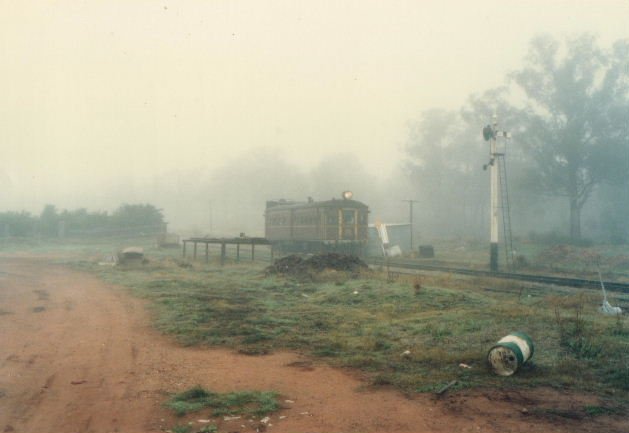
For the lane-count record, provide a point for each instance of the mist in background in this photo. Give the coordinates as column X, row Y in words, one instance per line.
column 208, row 109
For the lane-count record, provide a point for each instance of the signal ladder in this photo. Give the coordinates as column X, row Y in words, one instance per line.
column 505, row 210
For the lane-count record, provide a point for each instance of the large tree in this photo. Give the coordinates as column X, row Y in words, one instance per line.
column 575, row 117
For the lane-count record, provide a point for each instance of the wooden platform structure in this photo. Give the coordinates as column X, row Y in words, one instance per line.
column 223, row 242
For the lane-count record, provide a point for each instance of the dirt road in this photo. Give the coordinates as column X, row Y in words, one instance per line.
column 78, row 355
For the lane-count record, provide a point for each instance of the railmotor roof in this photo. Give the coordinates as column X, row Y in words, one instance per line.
column 334, row 203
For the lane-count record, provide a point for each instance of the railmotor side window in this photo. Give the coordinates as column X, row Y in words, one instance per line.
column 348, row 216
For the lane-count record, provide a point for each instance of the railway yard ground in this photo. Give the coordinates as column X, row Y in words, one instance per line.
column 167, row 344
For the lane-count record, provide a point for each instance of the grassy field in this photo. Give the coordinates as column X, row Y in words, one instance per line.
column 367, row 323
column 612, row 260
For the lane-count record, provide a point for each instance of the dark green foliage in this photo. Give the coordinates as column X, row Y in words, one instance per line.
column 600, row 410
column 573, row 123
column 128, row 218
column 18, row 224
column 258, row 403
column 145, row 216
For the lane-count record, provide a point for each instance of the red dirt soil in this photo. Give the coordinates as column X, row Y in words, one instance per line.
column 79, row 355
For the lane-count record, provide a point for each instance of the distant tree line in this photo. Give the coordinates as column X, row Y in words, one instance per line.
column 130, row 218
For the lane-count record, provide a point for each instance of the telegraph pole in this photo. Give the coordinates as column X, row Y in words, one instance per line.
column 211, row 219
column 410, row 206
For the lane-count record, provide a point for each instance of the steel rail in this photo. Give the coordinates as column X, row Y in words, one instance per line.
column 543, row 279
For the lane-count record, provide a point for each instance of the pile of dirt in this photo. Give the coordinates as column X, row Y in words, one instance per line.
column 306, row 265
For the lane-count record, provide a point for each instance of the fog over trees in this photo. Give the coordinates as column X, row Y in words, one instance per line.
column 567, row 108
column 568, row 111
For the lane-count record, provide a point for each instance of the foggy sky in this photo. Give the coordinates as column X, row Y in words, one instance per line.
column 99, row 96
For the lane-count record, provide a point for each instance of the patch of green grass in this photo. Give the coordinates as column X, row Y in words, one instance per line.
column 600, row 410
column 258, row 403
column 368, row 323
column 181, row 429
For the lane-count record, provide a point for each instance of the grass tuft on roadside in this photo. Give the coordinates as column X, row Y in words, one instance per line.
column 258, row 403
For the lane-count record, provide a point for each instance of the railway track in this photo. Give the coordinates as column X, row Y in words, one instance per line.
column 543, row 279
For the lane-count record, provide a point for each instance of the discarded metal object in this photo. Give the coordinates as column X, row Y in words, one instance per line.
column 510, row 353
column 426, row 251
column 131, row 255
column 606, row 307
column 447, row 386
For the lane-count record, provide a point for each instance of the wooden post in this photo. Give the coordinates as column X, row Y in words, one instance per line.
column 184, row 249
column 207, row 252
column 238, row 252
column 194, row 253
column 223, row 251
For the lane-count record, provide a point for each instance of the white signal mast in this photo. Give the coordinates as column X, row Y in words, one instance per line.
column 490, row 133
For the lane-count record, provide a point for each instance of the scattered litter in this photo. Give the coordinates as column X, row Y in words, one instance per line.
column 394, row 251
column 462, row 365
column 282, row 416
column 524, row 411
column 446, row 387
column 109, row 260
column 265, row 420
column 304, row 295
column 607, row 308
column 230, row 418
column 304, row 413
column 289, row 401
column 78, row 382
column 406, row 353
column 202, row 421
column 355, row 292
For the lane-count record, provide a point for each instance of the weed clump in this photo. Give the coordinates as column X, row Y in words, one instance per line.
column 258, row 403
